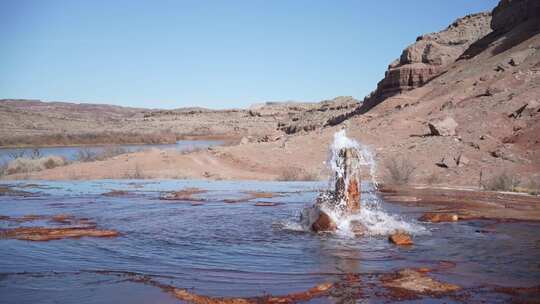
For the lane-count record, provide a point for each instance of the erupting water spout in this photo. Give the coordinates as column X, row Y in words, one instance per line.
column 340, row 208
column 345, row 198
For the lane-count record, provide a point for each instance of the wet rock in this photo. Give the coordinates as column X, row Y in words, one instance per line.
column 323, row 223
column 444, row 127
column 439, row 217
column 418, row 282
column 400, row 238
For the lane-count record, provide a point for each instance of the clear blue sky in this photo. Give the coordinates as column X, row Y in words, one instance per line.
column 218, row 54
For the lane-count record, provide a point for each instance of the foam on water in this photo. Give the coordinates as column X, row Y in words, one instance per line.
column 372, row 215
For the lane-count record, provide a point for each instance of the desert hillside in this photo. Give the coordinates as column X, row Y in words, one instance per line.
column 460, row 107
column 33, row 122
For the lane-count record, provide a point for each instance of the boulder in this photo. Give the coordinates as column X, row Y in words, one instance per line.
column 444, row 127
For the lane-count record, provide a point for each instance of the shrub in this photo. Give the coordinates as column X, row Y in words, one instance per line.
column 503, row 182
column 296, row 174
column 400, row 171
column 25, row 165
column 88, row 155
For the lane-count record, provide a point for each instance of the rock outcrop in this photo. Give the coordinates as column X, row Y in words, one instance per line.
column 510, row 13
column 323, row 114
column 428, row 57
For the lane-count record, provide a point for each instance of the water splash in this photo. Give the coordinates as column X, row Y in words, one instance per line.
column 372, row 216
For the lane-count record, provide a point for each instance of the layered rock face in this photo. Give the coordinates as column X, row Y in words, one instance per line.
column 428, row 57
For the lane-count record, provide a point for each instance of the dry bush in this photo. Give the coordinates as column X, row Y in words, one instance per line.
column 503, row 182
column 400, row 171
column 25, row 165
column 533, row 186
column 297, row 174
column 88, row 155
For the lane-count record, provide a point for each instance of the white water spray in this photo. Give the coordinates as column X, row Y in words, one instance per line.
column 371, row 216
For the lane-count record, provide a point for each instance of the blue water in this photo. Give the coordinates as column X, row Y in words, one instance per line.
column 224, row 249
column 71, row 152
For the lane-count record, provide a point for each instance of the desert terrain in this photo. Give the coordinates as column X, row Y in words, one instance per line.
column 459, row 107
column 426, row 190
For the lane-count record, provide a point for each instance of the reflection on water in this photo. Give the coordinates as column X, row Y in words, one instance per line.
column 237, row 249
column 70, row 153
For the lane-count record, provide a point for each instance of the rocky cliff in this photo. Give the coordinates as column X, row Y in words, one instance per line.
column 428, row 57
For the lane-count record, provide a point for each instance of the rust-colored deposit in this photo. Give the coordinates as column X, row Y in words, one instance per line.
column 465, row 204
column 71, row 227
column 182, row 294
column 439, row 217
column 417, row 282
column 49, row 234
column 184, row 195
column 317, row 291
column 400, row 238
